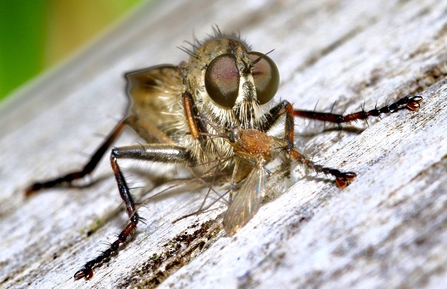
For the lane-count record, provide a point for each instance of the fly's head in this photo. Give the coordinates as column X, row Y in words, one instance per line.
column 230, row 83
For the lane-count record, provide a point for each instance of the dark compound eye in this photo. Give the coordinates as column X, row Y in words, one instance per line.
column 222, row 80
column 266, row 76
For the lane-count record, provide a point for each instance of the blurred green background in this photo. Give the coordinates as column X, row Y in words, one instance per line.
column 37, row 34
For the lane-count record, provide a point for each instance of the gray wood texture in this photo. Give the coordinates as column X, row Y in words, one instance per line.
column 388, row 229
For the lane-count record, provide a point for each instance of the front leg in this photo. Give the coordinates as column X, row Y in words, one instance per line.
column 149, row 152
column 408, row 102
column 342, row 179
column 412, row 103
column 275, row 113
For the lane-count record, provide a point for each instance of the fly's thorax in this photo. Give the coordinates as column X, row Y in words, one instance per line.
column 209, row 151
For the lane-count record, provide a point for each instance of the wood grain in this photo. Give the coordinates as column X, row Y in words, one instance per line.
column 387, row 229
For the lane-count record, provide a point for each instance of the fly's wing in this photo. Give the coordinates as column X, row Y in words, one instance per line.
column 155, row 95
column 247, row 201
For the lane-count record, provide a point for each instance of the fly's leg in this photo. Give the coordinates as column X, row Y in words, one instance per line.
column 149, row 152
column 166, row 153
column 196, row 125
column 412, row 103
column 408, row 102
column 87, row 169
column 342, row 179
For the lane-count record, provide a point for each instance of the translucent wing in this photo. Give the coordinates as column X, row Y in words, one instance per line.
column 155, row 95
column 247, row 200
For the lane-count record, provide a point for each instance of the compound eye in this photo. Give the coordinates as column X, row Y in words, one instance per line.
column 222, row 80
column 265, row 75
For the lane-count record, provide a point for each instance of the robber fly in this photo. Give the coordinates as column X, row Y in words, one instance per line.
column 230, row 86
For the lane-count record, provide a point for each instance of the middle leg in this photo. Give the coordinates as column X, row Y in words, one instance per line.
column 149, row 152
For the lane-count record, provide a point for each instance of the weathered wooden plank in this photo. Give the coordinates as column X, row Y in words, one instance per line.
column 387, row 229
